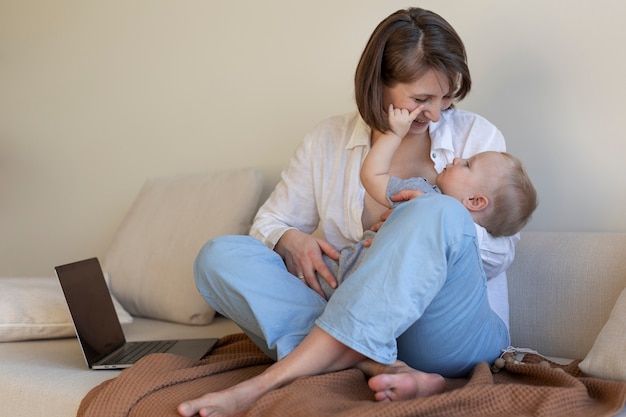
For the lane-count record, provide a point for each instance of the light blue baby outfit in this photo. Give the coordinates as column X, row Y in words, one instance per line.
column 419, row 294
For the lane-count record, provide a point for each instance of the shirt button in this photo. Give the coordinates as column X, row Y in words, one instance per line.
column 434, row 155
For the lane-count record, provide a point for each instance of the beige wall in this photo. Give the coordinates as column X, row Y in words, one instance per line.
column 98, row 96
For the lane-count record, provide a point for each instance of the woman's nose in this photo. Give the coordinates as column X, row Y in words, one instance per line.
column 433, row 111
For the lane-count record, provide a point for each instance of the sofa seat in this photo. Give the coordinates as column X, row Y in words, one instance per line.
column 50, row 377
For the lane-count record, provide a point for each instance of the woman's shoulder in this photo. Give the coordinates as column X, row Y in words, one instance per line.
column 343, row 128
column 341, row 122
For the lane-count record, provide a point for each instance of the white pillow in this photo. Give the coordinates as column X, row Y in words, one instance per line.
column 35, row 308
column 607, row 357
column 152, row 254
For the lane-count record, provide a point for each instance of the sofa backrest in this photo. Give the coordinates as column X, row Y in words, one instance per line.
column 562, row 288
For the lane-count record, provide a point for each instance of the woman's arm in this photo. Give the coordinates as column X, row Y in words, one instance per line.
column 289, row 216
column 291, row 205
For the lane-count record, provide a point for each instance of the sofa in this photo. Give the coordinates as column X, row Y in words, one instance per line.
column 566, row 293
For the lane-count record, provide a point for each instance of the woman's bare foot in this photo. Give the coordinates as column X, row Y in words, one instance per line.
column 305, row 360
column 225, row 403
column 400, row 382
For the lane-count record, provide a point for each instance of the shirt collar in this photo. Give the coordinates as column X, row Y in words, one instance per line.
column 361, row 133
column 440, row 133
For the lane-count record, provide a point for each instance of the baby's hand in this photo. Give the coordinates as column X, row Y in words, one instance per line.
column 400, row 119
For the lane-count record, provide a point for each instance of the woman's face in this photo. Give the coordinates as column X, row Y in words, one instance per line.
column 431, row 91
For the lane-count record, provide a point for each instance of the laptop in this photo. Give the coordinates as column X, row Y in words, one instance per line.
column 99, row 330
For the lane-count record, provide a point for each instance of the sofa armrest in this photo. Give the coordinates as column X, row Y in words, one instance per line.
column 562, row 287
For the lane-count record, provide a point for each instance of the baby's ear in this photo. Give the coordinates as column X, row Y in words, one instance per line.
column 477, row 202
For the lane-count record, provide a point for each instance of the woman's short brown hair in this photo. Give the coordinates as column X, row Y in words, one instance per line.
column 402, row 48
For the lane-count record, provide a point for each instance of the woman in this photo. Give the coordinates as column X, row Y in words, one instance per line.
column 416, row 309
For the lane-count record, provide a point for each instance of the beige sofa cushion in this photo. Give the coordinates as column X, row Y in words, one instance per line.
column 562, row 287
column 151, row 257
column 35, row 308
column 607, row 357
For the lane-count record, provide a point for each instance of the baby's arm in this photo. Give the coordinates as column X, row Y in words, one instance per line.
column 375, row 168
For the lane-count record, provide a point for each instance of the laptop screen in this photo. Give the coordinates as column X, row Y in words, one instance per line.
column 91, row 307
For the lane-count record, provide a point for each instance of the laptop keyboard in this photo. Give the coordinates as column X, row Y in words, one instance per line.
column 133, row 351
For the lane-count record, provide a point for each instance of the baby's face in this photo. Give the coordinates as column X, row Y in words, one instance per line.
column 477, row 175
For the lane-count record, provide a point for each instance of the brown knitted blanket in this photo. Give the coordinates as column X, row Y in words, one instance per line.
column 158, row 383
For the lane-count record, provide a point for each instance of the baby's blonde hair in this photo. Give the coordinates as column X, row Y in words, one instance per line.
column 513, row 202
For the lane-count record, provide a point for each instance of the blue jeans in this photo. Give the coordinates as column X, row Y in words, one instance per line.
column 418, row 295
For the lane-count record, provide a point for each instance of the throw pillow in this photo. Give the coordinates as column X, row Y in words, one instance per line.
column 607, row 357
column 152, row 254
column 35, row 308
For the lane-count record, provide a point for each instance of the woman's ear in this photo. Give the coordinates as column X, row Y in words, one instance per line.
column 477, row 202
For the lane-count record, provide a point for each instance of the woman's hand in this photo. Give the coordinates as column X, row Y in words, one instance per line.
column 406, row 195
column 303, row 257
column 403, row 195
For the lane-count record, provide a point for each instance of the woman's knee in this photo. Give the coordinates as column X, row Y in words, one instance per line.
column 210, row 254
column 221, row 254
column 434, row 210
column 438, row 203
